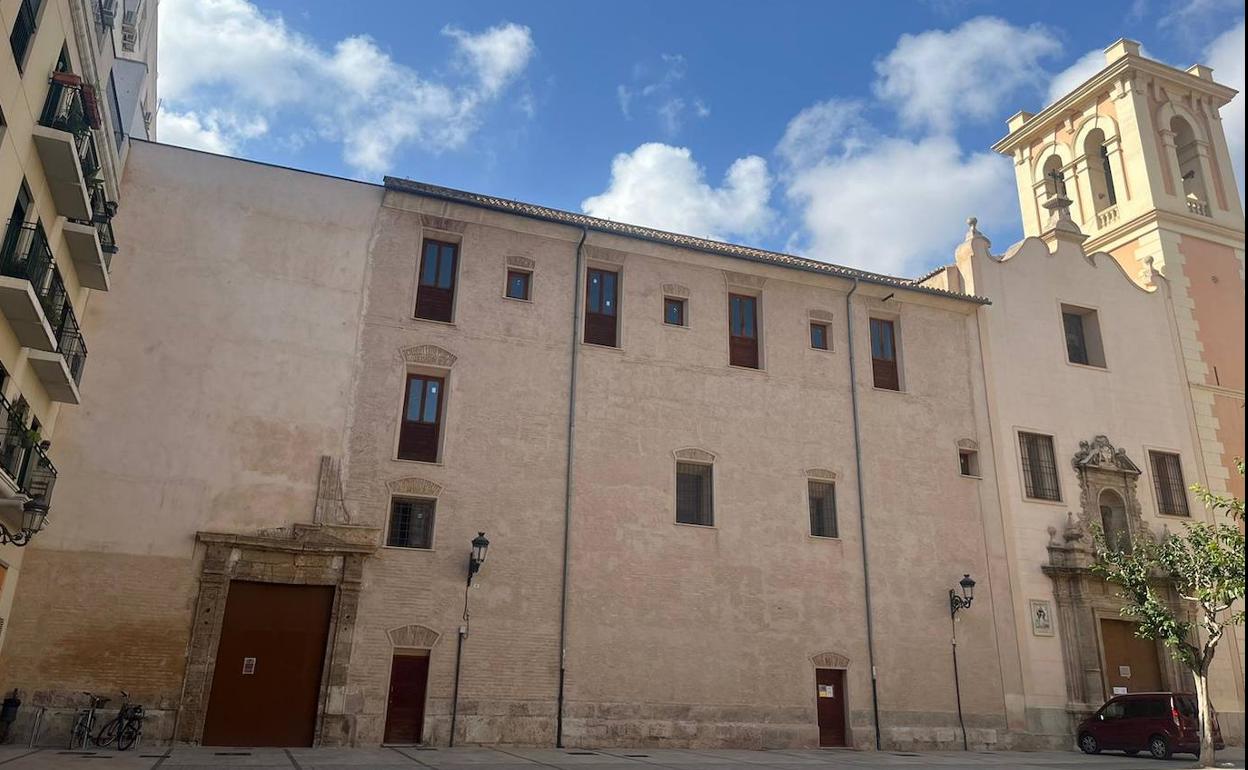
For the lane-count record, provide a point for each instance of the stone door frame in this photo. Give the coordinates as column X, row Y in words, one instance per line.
column 325, row 555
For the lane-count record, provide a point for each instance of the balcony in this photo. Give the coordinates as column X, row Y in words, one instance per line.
column 1197, row 206
column 66, row 144
column 1107, row 217
column 61, row 371
column 25, row 274
column 91, row 244
column 24, row 462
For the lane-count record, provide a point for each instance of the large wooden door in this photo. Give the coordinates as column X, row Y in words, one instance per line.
column 267, row 680
column 405, row 707
column 830, row 700
column 1130, row 662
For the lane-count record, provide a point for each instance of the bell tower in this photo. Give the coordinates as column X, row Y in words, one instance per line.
column 1140, row 152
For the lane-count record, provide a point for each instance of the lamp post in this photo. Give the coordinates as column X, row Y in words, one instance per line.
column 34, row 516
column 957, row 603
column 476, row 557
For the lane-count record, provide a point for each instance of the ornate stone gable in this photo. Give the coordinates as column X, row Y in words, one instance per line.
column 1100, row 453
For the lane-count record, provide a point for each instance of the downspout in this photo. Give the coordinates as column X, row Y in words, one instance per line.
column 567, row 485
column 862, row 513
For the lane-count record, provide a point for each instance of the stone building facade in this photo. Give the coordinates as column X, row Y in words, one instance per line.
column 727, row 492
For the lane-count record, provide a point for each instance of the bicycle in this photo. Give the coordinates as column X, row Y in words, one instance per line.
column 125, row 728
column 80, row 735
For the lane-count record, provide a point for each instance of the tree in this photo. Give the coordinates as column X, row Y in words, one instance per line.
column 1204, row 564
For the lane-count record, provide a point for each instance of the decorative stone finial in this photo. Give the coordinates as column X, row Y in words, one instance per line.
column 1072, row 532
column 1052, row 535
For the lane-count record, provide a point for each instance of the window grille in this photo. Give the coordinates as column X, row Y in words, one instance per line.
column 1168, row 484
column 694, row 495
column 1039, row 466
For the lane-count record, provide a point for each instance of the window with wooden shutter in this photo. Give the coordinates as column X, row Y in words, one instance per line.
column 1168, row 484
column 1039, row 466
column 422, row 418
column 435, row 294
column 743, row 330
column 884, row 354
column 818, row 335
column 822, row 496
column 602, row 307
column 411, row 522
column 694, row 496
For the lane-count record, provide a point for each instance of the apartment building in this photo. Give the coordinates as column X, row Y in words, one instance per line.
column 450, row 468
column 78, row 81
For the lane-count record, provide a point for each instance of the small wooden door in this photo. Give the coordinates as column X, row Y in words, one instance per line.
column 1130, row 662
column 267, row 681
column 830, row 700
column 405, row 708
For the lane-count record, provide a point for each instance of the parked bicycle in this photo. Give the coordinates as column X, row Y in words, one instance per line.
column 125, row 728
column 80, row 736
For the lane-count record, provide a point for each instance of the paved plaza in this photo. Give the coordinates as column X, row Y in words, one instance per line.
column 14, row 758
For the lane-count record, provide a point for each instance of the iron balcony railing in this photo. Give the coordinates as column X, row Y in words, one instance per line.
column 25, row 254
column 102, row 213
column 21, row 453
column 71, row 107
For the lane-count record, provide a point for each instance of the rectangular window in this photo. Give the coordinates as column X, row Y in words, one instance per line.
column 435, row 296
column 23, row 30
column 518, row 284
column 1168, row 484
column 743, row 330
column 819, row 336
column 411, row 523
column 1083, row 336
column 673, row 311
column 968, row 462
column 694, row 503
column 884, row 354
column 1039, row 466
column 602, row 307
column 422, row 419
column 822, row 495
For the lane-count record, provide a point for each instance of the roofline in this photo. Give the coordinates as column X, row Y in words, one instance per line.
column 254, row 162
column 664, row 237
column 1041, row 119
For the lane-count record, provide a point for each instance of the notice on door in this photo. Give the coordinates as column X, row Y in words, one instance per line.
column 249, row 666
column 1124, row 672
column 827, row 691
column 1120, row 691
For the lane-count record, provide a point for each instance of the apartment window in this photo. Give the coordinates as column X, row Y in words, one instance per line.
column 422, row 418
column 435, row 296
column 411, row 523
column 1168, row 484
column 673, row 311
column 822, row 496
column 23, row 30
column 519, row 284
column 743, row 330
column 694, row 499
column 884, row 354
column 1083, row 336
column 818, row 336
column 602, row 307
column 968, row 462
column 1039, row 466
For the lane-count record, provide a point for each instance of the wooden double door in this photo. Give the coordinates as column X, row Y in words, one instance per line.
column 267, row 680
column 830, row 705
column 1131, row 663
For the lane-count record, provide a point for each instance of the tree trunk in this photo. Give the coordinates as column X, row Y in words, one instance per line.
column 1201, row 676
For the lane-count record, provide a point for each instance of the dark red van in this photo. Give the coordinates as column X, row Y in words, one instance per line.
column 1160, row 723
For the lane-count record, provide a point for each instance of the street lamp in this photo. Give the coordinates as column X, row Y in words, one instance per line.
column 960, row 603
column 964, row 601
column 34, row 516
column 476, row 557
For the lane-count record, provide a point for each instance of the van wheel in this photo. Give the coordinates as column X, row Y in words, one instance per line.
column 1088, row 744
column 1159, row 747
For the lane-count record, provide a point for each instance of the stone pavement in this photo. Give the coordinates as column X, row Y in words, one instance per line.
column 198, row 758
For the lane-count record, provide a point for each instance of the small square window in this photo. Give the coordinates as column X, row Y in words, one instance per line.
column 411, row 523
column 1083, row 336
column 819, row 336
column 968, row 462
column 518, row 284
column 673, row 311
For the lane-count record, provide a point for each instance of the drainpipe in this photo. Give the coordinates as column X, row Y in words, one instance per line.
column 862, row 513
column 567, row 485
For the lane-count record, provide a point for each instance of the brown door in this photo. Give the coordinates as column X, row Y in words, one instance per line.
column 1130, row 662
column 267, row 680
column 830, row 697
column 405, row 709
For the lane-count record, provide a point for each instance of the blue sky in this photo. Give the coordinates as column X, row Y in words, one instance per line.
column 853, row 133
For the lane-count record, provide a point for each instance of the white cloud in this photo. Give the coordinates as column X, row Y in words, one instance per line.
column 213, row 131
column 1073, row 76
column 1226, row 56
column 229, row 52
column 937, row 79
column 661, row 186
column 657, row 89
column 833, row 126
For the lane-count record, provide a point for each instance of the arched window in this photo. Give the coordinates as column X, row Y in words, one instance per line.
column 1114, row 521
column 1054, row 181
column 1100, row 174
column 1189, row 160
